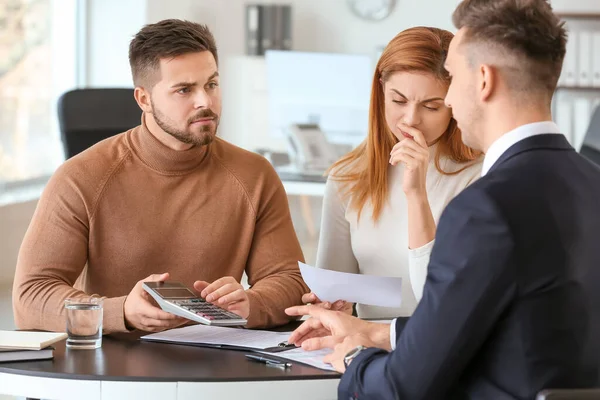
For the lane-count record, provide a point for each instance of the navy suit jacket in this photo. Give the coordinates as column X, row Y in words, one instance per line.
column 511, row 304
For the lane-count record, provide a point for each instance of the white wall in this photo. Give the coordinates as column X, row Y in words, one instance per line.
column 110, row 26
column 576, row 6
column 317, row 25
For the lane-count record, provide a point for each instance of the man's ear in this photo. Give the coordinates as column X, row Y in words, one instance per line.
column 143, row 99
column 486, row 81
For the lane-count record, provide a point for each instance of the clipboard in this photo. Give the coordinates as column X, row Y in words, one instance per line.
column 282, row 346
column 224, row 338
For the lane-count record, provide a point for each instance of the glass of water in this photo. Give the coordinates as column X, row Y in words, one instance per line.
column 84, row 322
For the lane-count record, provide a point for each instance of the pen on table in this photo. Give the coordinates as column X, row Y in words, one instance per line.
column 268, row 361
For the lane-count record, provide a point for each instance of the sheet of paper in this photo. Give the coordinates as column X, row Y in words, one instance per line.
column 218, row 335
column 312, row 358
column 383, row 291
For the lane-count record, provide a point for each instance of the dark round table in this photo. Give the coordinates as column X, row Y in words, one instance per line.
column 127, row 368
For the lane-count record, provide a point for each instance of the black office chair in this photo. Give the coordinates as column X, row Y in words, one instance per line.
column 590, row 148
column 569, row 394
column 87, row 116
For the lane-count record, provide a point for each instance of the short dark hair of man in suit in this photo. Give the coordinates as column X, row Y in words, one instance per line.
column 522, row 43
column 526, row 34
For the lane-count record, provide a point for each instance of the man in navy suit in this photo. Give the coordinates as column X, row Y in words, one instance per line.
column 512, row 302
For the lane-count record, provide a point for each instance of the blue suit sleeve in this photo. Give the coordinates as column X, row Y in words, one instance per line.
column 471, row 281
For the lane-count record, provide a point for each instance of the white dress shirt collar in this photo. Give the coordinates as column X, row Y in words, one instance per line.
column 505, row 141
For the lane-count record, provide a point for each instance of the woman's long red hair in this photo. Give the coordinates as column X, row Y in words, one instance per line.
column 365, row 169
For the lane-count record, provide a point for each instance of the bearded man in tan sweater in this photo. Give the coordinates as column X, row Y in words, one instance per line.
column 164, row 200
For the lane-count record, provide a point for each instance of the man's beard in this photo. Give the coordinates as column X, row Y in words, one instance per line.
column 206, row 134
column 472, row 124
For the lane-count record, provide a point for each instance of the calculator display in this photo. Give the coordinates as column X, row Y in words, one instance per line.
column 175, row 293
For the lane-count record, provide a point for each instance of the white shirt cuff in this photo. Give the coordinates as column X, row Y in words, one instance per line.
column 393, row 334
column 424, row 250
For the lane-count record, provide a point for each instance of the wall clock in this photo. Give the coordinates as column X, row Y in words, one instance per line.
column 372, row 10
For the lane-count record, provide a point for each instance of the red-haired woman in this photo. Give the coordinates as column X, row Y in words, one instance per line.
column 383, row 199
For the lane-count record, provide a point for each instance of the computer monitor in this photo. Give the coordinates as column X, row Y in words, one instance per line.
column 330, row 90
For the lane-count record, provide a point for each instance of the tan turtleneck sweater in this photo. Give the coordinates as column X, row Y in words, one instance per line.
column 130, row 207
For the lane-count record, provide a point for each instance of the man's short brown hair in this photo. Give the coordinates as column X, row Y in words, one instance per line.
column 525, row 33
column 166, row 39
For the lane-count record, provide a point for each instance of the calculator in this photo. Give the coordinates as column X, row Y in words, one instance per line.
column 175, row 298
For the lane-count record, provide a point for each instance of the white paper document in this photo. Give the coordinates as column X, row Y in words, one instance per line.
column 383, row 291
column 220, row 336
column 241, row 338
column 312, row 358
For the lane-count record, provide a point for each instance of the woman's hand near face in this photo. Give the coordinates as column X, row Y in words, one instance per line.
column 414, row 154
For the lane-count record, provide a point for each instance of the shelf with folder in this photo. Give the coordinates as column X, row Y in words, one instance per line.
column 268, row 27
column 578, row 90
column 579, row 15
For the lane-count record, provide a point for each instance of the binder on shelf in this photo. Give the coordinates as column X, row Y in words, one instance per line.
column 595, row 105
column 570, row 63
column 581, row 116
column 268, row 27
column 564, row 118
column 254, row 16
column 281, row 27
column 277, row 30
column 584, row 65
column 596, row 59
column 286, row 17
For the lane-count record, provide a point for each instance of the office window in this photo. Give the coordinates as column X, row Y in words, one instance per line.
column 38, row 62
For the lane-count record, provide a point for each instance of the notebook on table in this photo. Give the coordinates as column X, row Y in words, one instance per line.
column 8, row 355
column 25, row 340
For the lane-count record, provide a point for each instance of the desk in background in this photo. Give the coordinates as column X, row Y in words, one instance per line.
column 304, row 186
column 297, row 184
column 127, row 368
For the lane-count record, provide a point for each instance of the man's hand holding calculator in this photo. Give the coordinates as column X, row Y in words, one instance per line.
column 227, row 303
column 227, row 293
column 142, row 313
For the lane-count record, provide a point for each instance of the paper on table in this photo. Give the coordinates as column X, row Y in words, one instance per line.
column 312, row 358
column 383, row 291
column 220, row 336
